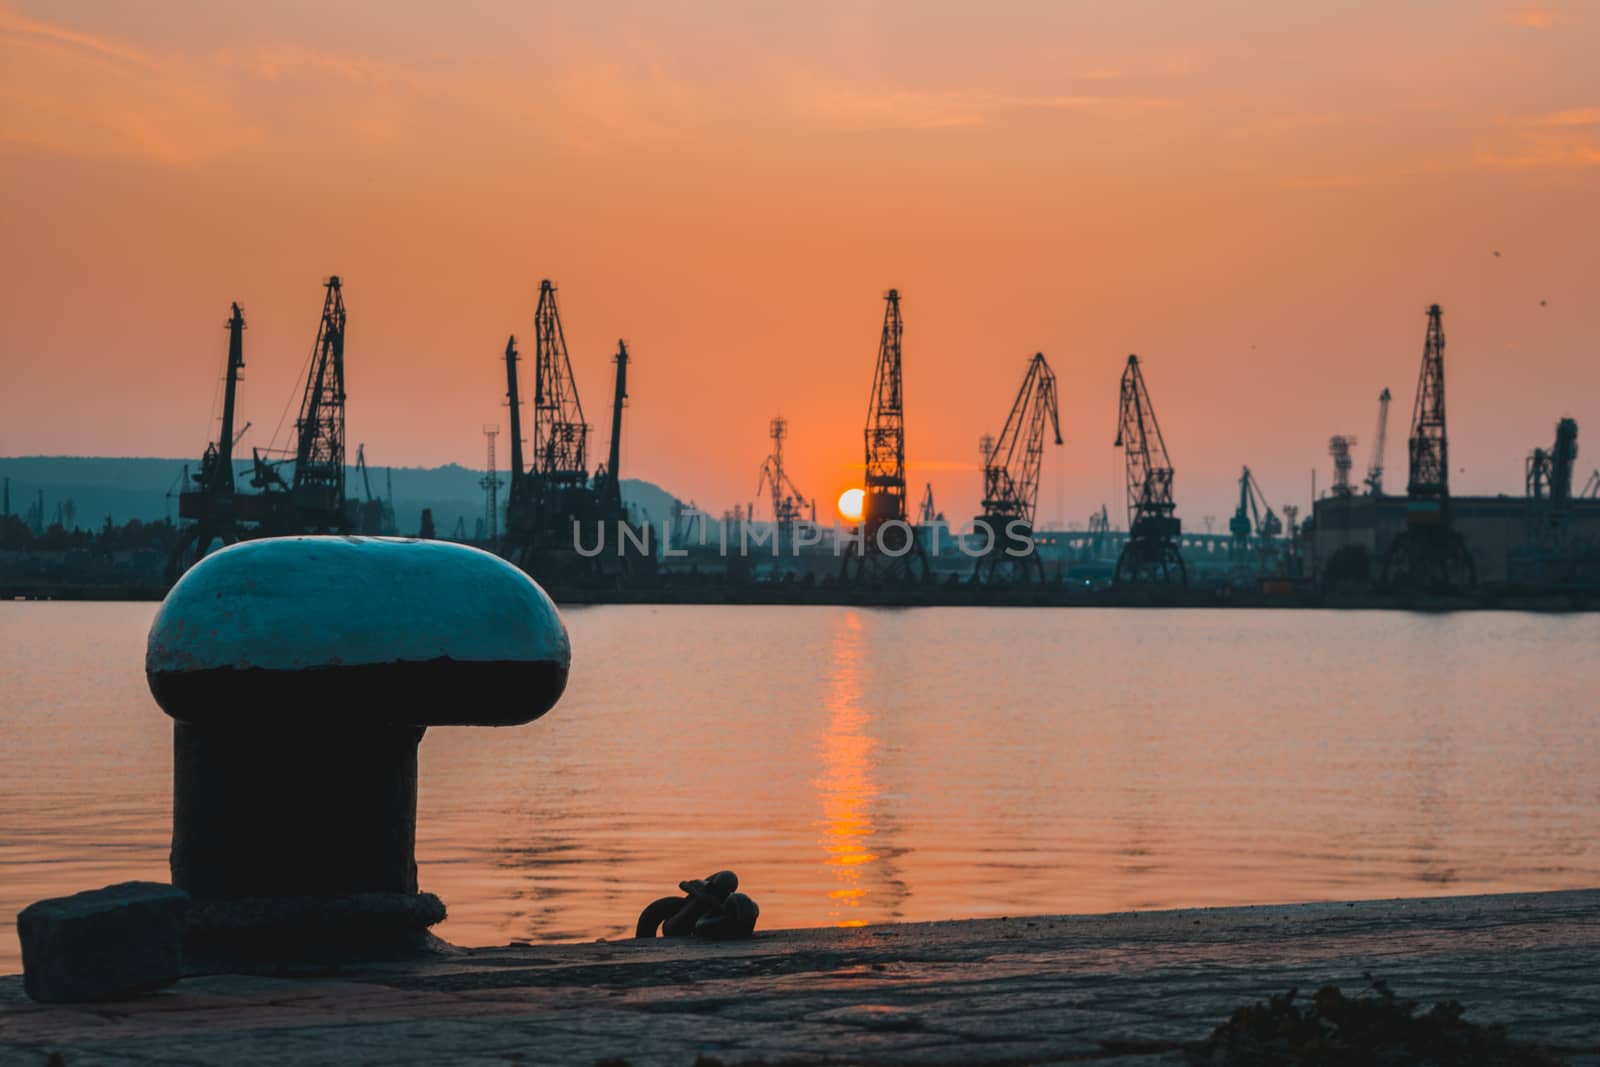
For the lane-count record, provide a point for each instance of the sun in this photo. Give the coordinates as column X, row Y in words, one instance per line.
column 850, row 504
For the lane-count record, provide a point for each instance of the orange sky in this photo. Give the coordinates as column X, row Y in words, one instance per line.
column 1259, row 198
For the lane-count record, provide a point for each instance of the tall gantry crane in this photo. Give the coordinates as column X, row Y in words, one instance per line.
column 314, row 502
column 896, row 554
column 1011, row 477
column 553, row 492
column 319, row 454
column 554, row 501
column 1375, row 468
column 1150, row 555
column 1430, row 443
column 1429, row 553
column 787, row 500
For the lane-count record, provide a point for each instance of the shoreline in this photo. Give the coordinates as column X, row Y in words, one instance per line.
column 1125, row 988
column 944, row 595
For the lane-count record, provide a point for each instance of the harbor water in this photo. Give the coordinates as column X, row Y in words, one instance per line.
column 869, row 765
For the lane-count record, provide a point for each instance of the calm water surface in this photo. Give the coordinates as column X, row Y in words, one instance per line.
column 860, row 765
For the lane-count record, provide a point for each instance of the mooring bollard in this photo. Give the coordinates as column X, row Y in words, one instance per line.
column 301, row 673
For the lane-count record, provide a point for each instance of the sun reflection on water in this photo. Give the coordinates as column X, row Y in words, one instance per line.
column 847, row 786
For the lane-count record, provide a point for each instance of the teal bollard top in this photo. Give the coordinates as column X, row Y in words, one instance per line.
column 356, row 630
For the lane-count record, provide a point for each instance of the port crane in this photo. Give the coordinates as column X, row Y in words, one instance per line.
column 210, row 502
column 787, row 499
column 1375, row 468
column 1099, row 534
column 1429, row 553
column 318, row 487
column 1150, row 556
column 554, row 497
column 1549, row 471
column 1011, row 476
column 560, row 434
column 314, row 502
column 1253, row 517
column 554, row 489
column 897, row 555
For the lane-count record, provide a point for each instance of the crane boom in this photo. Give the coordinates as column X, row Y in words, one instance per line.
column 1375, row 468
column 1011, row 469
column 1011, row 466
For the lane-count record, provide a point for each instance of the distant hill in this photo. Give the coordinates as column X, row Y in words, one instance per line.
column 147, row 489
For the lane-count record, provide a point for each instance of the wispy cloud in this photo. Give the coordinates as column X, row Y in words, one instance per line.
column 1529, row 18
column 81, row 94
column 891, row 107
column 1577, row 116
column 1566, row 151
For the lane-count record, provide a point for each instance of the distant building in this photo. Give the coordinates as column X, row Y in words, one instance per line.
column 1511, row 539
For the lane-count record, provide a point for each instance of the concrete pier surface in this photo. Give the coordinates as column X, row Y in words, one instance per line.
column 1126, row 989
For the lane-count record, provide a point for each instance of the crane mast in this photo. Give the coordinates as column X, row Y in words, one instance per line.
column 1430, row 460
column 516, row 488
column 1375, row 469
column 1151, row 554
column 885, row 497
column 560, row 435
column 218, row 479
column 1429, row 553
column 608, row 484
column 319, row 456
column 884, row 490
column 212, row 502
column 1011, row 470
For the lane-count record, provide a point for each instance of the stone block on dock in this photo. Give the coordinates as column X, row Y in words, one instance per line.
column 103, row 944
